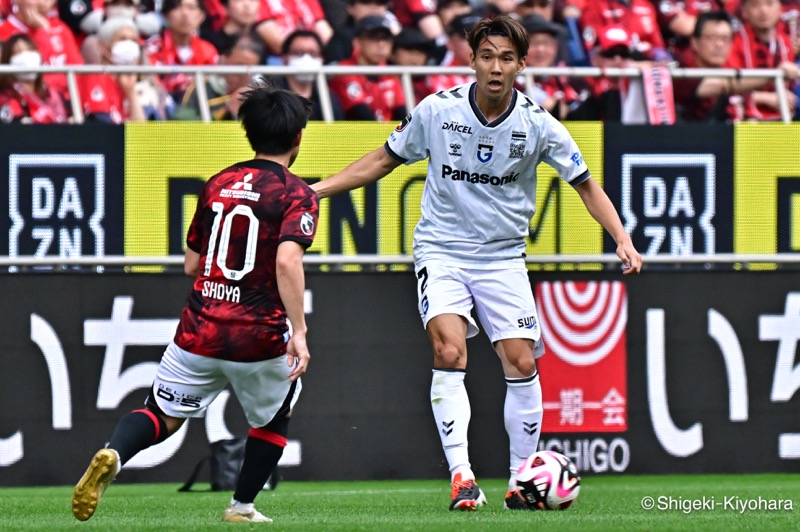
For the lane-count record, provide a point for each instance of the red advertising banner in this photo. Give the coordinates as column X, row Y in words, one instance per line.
column 584, row 378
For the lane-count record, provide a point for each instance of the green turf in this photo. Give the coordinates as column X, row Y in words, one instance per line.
column 605, row 503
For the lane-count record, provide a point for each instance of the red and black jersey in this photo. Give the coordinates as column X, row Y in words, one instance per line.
column 234, row 311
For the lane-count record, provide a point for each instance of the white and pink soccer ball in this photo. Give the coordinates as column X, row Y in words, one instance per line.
column 548, row 480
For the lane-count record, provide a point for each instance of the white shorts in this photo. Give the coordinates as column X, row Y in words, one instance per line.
column 503, row 300
column 186, row 384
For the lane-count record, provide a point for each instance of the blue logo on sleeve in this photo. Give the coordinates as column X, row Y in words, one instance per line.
column 577, row 158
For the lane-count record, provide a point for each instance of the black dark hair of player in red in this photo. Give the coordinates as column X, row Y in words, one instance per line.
column 272, row 118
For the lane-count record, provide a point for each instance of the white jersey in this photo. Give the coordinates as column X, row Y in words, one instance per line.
column 480, row 191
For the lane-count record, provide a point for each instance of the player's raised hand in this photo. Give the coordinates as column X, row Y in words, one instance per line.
column 298, row 355
column 631, row 260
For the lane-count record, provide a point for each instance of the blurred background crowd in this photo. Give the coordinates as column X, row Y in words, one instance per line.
column 708, row 34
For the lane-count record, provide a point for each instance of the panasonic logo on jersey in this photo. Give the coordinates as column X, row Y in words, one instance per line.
column 458, row 128
column 474, row 177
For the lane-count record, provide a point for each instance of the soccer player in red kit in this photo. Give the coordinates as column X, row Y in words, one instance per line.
column 245, row 247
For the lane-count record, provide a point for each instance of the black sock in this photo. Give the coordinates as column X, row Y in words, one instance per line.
column 260, row 459
column 135, row 432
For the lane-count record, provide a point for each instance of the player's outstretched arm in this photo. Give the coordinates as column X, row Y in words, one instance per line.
column 291, row 286
column 602, row 210
column 369, row 168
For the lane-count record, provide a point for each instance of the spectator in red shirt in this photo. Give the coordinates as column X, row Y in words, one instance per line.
column 340, row 46
column 54, row 40
column 553, row 93
column 638, row 17
column 25, row 97
column 179, row 44
column 112, row 98
column 370, row 97
column 420, row 14
column 677, row 19
column 458, row 54
column 240, row 18
column 283, row 17
column 708, row 99
column 303, row 48
column 759, row 44
column 412, row 48
column 614, row 49
column 224, row 92
column 450, row 9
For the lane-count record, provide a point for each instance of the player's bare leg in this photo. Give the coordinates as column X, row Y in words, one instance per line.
column 450, row 404
column 523, row 407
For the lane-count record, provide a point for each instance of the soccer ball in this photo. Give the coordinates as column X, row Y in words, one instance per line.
column 548, row 480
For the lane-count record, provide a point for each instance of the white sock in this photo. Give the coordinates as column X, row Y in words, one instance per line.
column 244, row 507
column 523, row 419
column 451, row 411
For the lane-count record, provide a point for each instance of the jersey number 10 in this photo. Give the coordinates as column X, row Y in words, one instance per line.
column 225, row 238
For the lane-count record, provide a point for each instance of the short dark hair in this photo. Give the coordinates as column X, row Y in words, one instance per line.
column 272, row 118
column 171, row 5
column 710, row 16
column 500, row 25
column 287, row 42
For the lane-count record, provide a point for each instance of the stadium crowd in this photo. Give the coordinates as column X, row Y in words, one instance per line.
column 654, row 35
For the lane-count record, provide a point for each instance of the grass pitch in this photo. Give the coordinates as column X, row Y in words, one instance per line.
column 707, row 502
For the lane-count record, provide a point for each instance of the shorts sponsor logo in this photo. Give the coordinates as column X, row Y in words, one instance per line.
column 174, row 396
column 584, row 329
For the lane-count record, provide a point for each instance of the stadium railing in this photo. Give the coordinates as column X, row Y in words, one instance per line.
column 406, row 74
column 607, row 261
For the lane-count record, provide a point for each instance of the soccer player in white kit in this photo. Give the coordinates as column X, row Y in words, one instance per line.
column 484, row 141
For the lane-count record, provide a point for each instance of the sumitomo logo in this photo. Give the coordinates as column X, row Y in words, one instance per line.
column 669, row 202
column 56, row 204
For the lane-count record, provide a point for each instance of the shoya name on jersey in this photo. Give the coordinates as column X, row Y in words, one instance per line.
column 479, row 179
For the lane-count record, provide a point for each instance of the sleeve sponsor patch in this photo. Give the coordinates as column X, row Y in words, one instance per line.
column 402, row 125
column 307, row 224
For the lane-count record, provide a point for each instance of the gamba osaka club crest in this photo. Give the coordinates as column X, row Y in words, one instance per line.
column 485, row 148
column 584, row 330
